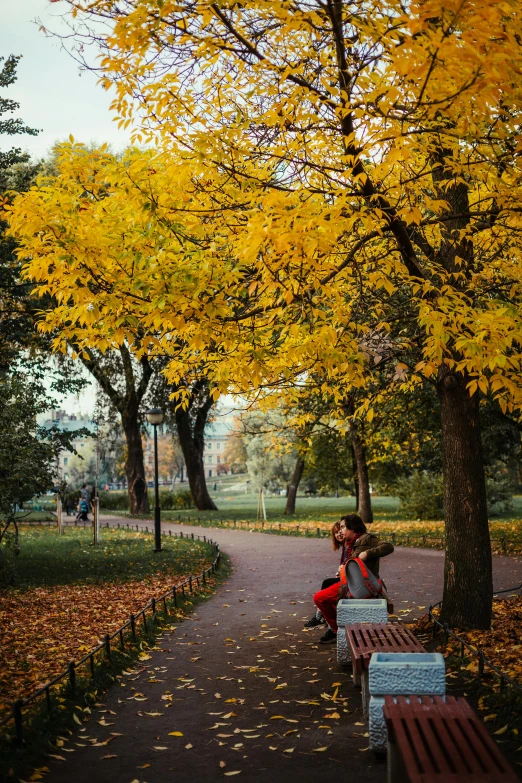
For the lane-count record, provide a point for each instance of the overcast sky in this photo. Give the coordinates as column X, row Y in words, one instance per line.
column 53, row 95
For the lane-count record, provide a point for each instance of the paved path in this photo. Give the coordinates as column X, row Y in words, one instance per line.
column 248, row 687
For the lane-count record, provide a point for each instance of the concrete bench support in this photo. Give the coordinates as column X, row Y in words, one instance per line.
column 400, row 674
column 354, row 610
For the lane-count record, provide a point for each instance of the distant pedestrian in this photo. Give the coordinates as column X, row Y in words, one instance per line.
column 83, row 505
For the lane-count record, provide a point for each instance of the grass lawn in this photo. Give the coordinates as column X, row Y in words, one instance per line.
column 68, row 594
column 318, row 513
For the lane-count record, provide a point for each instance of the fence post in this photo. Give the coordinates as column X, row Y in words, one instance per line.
column 204, row 578
column 107, row 641
column 393, row 538
column 503, row 544
column 480, row 670
column 190, row 583
column 174, row 597
column 153, row 604
column 318, row 532
column 434, row 624
column 18, row 721
column 72, row 675
column 445, row 637
column 193, row 534
column 133, row 626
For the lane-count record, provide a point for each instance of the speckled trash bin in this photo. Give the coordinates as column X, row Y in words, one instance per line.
column 352, row 610
column 400, row 674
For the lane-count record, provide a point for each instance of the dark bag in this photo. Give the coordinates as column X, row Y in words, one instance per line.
column 358, row 582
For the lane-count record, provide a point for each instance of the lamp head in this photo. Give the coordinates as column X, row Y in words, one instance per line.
column 154, row 416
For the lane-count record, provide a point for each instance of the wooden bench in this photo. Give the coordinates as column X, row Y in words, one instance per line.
column 432, row 739
column 364, row 639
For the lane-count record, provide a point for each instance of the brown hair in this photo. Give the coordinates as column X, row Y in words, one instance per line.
column 335, row 529
column 354, row 522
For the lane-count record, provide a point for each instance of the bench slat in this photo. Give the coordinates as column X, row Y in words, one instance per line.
column 365, row 639
column 444, row 740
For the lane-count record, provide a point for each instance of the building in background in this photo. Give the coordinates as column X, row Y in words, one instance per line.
column 68, row 463
column 171, row 464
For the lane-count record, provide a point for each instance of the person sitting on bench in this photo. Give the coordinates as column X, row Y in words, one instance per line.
column 357, row 543
column 337, row 543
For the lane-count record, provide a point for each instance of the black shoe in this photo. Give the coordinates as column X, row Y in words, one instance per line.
column 329, row 637
column 313, row 622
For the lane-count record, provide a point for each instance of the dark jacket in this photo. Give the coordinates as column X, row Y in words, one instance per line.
column 375, row 548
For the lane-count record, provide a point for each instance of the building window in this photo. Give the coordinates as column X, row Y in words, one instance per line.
column 210, row 445
column 210, row 474
column 218, row 446
column 65, row 460
column 218, row 460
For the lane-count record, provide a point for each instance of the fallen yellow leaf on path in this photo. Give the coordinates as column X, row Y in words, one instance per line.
column 175, row 733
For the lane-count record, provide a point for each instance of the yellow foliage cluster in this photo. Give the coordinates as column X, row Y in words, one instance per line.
column 332, row 189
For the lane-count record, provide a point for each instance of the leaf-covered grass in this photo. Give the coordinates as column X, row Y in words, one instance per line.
column 500, row 709
column 506, row 535
column 69, row 594
column 48, row 558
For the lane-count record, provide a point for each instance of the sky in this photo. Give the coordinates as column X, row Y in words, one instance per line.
column 53, row 95
column 55, row 98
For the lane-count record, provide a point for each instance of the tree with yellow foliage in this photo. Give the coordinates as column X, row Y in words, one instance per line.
column 334, row 181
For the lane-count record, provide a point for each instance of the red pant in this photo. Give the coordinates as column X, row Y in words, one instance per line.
column 326, row 601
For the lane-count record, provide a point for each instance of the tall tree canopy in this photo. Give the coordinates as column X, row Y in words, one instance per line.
column 336, row 189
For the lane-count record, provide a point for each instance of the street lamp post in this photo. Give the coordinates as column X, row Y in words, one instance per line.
column 155, row 417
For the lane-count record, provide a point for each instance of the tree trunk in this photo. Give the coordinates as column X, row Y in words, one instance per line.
column 468, row 585
column 364, row 500
column 291, row 493
column 192, row 444
column 134, row 465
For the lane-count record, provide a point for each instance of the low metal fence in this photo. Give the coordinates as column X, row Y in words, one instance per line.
column 69, row 675
column 483, row 663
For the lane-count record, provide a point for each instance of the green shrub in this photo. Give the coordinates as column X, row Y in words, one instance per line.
column 114, row 501
column 421, row 496
column 499, row 492
column 171, row 501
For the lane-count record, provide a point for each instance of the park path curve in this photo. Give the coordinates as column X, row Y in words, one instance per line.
column 244, row 683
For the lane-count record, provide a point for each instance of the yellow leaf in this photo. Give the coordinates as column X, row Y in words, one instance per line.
column 175, row 733
column 502, row 730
